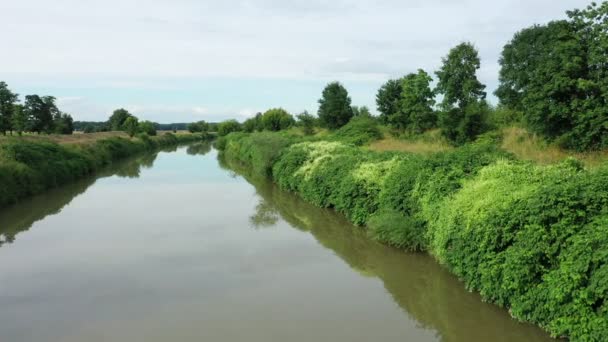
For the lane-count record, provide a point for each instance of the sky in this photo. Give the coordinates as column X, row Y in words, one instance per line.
column 189, row 60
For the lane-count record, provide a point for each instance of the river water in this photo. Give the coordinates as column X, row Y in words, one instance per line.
column 176, row 246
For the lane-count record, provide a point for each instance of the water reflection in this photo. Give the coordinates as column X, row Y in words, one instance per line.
column 199, row 149
column 425, row 291
column 20, row 217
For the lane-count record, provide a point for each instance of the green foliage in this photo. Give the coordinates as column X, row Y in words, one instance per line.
column 457, row 77
column 415, row 104
column 20, row 122
column 460, row 126
column 117, row 119
column 529, row 238
column 556, row 74
column 394, row 229
column 63, row 124
column 359, row 131
column 276, row 119
column 28, row 167
column 253, row 124
column 335, row 106
column 147, row 127
column 198, row 127
column 463, row 106
column 361, row 111
column 131, row 126
column 388, row 99
column 8, row 99
column 226, row 127
column 307, row 122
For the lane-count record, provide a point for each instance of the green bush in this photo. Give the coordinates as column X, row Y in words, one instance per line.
column 359, row 131
column 529, row 238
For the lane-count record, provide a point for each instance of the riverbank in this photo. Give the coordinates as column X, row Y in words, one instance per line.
column 31, row 165
column 529, row 238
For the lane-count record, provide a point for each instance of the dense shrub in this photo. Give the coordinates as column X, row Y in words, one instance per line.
column 528, row 238
column 227, row 127
column 359, row 131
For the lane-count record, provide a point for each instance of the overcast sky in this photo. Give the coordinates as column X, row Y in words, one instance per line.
column 187, row 60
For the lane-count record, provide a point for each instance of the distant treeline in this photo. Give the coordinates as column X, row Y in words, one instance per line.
column 553, row 81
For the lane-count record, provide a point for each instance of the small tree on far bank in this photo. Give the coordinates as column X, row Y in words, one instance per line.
column 335, row 106
column 388, row 99
column 20, row 121
column 131, row 126
column 227, row 127
column 307, row 122
column 277, row 119
column 147, row 127
column 7, row 103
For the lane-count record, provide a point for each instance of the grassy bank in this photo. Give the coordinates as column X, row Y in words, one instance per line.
column 30, row 165
column 530, row 238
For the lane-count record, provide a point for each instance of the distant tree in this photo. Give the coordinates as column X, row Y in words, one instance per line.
column 307, row 122
column 198, row 127
column 117, row 119
column 227, row 127
column 277, row 119
column 361, row 111
column 388, row 99
column 131, row 125
column 20, row 122
column 335, row 106
column 7, row 102
column 63, row 123
column 40, row 111
column 253, row 124
column 147, row 127
column 89, row 129
column 462, row 92
column 417, row 101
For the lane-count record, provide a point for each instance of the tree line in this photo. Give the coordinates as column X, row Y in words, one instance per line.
column 38, row 114
column 553, row 80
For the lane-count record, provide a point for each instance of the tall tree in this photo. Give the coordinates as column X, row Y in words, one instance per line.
column 63, row 123
column 416, row 102
column 457, row 77
column 118, row 118
column 335, row 106
column 7, row 102
column 20, row 121
column 464, row 109
column 40, row 112
column 388, row 99
column 557, row 75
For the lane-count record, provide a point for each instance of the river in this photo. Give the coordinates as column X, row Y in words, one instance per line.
column 177, row 246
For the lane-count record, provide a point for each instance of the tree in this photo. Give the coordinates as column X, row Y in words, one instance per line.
column 63, row 124
column 416, row 104
column 463, row 94
column 40, row 111
column 277, row 119
column 131, row 125
column 118, row 118
column 20, row 122
column 361, row 111
column 307, row 122
column 557, row 76
column 334, row 106
column 253, row 124
column 147, row 127
column 7, row 102
column 388, row 99
column 227, row 127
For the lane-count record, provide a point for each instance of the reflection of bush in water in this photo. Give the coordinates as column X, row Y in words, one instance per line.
column 20, row 217
column 424, row 290
column 199, row 149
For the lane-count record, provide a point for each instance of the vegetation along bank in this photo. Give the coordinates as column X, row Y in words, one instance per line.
column 30, row 165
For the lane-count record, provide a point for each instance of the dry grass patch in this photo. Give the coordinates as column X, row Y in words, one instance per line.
column 429, row 142
column 527, row 146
